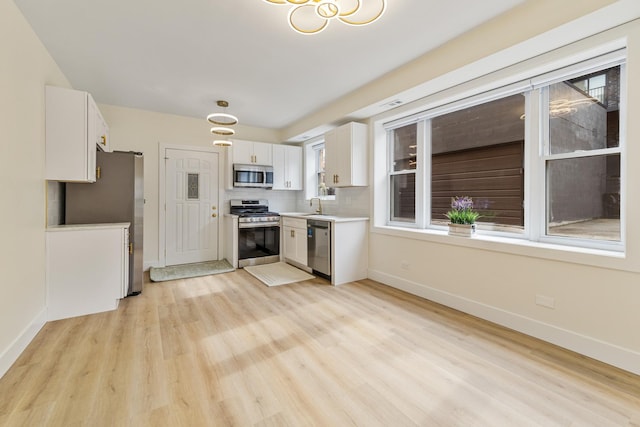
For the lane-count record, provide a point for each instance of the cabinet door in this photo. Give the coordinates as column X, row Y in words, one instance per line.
column 289, row 243
column 70, row 129
column 346, row 155
column 332, row 157
column 293, row 168
column 242, row 152
column 262, row 154
column 301, row 245
column 102, row 133
column 279, row 167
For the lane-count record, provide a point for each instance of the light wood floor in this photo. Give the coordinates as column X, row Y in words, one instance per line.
column 227, row 350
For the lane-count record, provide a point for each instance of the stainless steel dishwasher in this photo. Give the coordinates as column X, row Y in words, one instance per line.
column 319, row 246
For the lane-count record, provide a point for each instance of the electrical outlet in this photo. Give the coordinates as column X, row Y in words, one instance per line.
column 404, row 265
column 545, row 301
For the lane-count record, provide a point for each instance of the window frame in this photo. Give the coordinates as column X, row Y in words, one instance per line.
column 311, row 170
column 535, row 203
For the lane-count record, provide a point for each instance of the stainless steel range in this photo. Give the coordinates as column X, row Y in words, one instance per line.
column 258, row 232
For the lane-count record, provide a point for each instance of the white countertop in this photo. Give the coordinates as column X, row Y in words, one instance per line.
column 75, row 227
column 323, row 217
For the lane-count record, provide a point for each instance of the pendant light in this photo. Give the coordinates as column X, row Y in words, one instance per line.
column 221, row 122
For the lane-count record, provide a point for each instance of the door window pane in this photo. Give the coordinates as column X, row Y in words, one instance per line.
column 193, row 186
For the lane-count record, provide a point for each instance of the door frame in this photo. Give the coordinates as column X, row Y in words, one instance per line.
column 162, row 197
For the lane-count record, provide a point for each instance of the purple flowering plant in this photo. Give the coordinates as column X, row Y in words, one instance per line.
column 462, row 211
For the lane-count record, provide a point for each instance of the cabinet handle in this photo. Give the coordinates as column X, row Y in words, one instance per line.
column 214, row 215
column 103, row 140
column 98, row 172
column 130, row 248
column 214, row 207
column 337, row 179
column 293, row 233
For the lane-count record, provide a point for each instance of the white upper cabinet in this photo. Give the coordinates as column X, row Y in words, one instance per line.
column 287, row 167
column 346, row 156
column 252, row 153
column 73, row 129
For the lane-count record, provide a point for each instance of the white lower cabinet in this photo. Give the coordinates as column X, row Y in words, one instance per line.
column 295, row 240
column 87, row 268
column 349, row 245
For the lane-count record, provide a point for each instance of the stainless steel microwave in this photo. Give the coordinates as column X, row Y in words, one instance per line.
column 252, row 176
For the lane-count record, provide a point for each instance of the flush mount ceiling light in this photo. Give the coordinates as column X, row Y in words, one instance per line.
column 313, row 16
column 222, row 121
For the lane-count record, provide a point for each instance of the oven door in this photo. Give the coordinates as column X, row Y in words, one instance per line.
column 258, row 245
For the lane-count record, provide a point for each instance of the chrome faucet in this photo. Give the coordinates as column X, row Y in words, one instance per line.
column 319, row 210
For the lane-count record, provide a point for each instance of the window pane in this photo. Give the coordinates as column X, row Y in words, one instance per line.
column 403, row 197
column 584, row 113
column 584, row 197
column 321, row 185
column 479, row 152
column 404, row 148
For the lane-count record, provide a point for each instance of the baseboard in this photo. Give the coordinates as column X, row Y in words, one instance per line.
column 15, row 349
column 605, row 352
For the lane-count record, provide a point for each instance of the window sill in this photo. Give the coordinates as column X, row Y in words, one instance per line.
column 516, row 246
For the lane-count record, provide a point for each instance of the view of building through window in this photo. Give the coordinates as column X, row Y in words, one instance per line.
column 583, row 157
column 404, row 161
column 321, row 187
column 479, row 152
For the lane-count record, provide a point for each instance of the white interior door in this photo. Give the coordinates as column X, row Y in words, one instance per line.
column 192, row 211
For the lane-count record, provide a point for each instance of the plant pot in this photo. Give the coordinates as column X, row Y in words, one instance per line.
column 462, row 230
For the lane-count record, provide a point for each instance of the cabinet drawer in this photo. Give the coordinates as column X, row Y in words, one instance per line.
column 294, row 222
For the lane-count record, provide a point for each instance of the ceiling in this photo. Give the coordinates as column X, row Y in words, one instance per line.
column 179, row 57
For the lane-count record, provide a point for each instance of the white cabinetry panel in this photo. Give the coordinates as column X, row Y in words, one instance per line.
column 346, row 156
column 87, row 269
column 287, row 167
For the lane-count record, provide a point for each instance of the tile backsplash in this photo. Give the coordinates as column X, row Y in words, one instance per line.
column 352, row 201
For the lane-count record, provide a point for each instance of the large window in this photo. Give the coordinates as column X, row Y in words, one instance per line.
column 568, row 128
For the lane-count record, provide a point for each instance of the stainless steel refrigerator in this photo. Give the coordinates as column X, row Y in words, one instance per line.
column 116, row 196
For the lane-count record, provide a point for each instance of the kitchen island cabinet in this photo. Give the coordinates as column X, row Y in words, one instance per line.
column 87, row 268
column 73, row 129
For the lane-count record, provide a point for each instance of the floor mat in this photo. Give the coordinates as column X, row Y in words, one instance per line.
column 189, row 270
column 278, row 273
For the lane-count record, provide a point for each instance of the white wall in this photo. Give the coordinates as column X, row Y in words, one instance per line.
column 144, row 131
column 597, row 298
column 25, row 69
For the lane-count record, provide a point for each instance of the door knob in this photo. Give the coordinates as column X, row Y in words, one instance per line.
column 214, row 215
